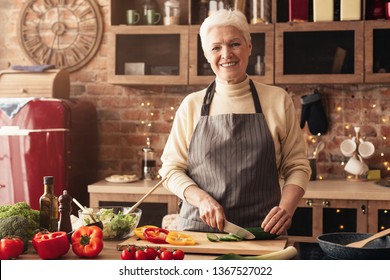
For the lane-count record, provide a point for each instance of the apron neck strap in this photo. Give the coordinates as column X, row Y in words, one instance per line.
column 210, row 94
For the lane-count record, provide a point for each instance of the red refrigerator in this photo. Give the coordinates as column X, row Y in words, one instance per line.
column 42, row 137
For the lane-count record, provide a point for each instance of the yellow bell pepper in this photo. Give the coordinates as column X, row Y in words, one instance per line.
column 178, row 238
column 139, row 231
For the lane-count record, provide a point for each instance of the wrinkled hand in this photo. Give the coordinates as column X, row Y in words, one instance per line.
column 211, row 212
column 277, row 221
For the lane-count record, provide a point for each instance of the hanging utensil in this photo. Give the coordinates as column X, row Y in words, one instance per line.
column 132, row 208
column 362, row 243
column 320, row 146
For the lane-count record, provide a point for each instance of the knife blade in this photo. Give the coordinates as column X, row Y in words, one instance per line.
column 234, row 229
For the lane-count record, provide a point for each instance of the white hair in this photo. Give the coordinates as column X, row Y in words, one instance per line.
column 224, row 17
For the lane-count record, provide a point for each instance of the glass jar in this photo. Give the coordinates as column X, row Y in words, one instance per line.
column 260, row 11
column 172, row 12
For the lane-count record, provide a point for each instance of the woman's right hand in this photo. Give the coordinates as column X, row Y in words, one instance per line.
column 210, row 211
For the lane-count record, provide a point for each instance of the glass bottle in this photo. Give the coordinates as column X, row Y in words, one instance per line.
column 375, row 9
column 172, row 12
column 203, row 10
column 48, row 206
column 148, row 162
column 65, row 208
column 259, row 66
column 260, row 11
column 147, row 7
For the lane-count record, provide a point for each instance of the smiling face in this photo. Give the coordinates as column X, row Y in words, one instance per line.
column 227, row 52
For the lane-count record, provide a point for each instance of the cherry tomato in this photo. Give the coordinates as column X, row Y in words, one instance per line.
column 178, row 255
column 160, row 250
column 150, row 253
column 166, row 255
column 140, row 255
column 127, row 255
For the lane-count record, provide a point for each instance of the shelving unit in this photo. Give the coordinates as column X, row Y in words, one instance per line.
column 294, row 53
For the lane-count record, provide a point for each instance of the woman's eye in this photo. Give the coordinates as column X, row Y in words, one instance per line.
column 216, row 48
column 235, row 44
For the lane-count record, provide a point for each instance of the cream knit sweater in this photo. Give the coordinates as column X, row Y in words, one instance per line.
column 280, row 114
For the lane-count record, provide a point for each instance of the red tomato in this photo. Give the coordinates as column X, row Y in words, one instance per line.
column 166, row 255
column 11, row 247
column 140, row 255
column 127, row 255
column 160, row 250
column 150, row 253
column 178, row 255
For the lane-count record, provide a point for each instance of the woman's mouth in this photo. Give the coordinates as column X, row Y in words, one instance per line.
column 228, row 64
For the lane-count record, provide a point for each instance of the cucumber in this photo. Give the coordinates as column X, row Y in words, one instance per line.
column 261, row 234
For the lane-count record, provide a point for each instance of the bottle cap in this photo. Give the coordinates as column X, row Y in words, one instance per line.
column 48, row 180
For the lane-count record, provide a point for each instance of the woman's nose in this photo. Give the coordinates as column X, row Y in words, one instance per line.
column 226, row 53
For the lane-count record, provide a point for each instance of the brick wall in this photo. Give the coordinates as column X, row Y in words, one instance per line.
column 122, row 133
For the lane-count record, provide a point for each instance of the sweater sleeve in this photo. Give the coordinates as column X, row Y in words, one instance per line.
column 175, row 155
column 290, row 146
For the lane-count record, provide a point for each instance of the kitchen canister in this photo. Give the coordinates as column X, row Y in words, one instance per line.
column 171, row 12
column 298, row 10
column 350, row 10
column 323, row 10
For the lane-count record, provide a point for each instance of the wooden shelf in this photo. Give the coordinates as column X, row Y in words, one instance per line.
column 337, row 52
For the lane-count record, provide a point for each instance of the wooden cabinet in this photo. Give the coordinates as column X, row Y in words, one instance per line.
column 148, row 55
column 294, row 53
column 327, row 216
column 341, row 206
column 377, row 55
column 319, row 52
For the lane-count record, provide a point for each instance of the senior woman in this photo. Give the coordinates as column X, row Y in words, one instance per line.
column 235, row 151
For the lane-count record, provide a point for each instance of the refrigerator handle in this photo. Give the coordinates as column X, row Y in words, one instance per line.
column 15, row 130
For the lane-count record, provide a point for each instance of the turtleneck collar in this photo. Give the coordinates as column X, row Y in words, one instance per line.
column 235, row 90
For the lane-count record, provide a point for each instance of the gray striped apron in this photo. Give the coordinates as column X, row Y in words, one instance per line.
column 232, row 157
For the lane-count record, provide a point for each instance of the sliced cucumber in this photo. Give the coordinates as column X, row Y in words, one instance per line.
column 261, row 234
column 212, row 237
column 230, row 237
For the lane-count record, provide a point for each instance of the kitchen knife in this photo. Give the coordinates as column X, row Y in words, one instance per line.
column 234, row 229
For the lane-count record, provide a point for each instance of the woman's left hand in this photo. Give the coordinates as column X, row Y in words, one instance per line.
column 277, row 221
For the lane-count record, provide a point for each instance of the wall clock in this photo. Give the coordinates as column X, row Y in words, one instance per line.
column 65, row 33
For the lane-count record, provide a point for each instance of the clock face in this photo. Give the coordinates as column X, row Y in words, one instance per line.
column 65, row 33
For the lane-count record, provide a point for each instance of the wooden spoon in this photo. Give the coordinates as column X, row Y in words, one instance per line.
column 145, row 196
column 362, row 243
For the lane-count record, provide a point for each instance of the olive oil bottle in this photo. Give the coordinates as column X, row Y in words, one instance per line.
column 48, row 206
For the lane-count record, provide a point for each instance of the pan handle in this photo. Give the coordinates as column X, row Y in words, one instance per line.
column 324, row 203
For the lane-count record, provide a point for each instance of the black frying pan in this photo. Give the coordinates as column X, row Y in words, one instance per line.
column 333, row 244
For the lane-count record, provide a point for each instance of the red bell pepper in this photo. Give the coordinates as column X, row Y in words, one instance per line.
column 11, row 247
column 87, row 241
column 156, row 235
column 51, row 245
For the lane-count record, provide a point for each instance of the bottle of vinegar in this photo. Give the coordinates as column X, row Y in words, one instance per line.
column 48, row 206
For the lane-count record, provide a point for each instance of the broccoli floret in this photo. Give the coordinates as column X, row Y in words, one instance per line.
column 21, row 209
column 17, row 226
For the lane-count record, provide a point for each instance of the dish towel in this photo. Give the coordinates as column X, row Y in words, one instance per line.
column 33, row 68
column 12, row 106
column 314, row 114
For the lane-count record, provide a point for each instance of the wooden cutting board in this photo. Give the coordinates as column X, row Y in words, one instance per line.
column 204, row 246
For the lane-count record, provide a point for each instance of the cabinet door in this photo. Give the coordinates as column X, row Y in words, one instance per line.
column 378, row 216
column 320, row 52
column 148, row 55
column 317, row 216
column 262, row 45
column 377, row 55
